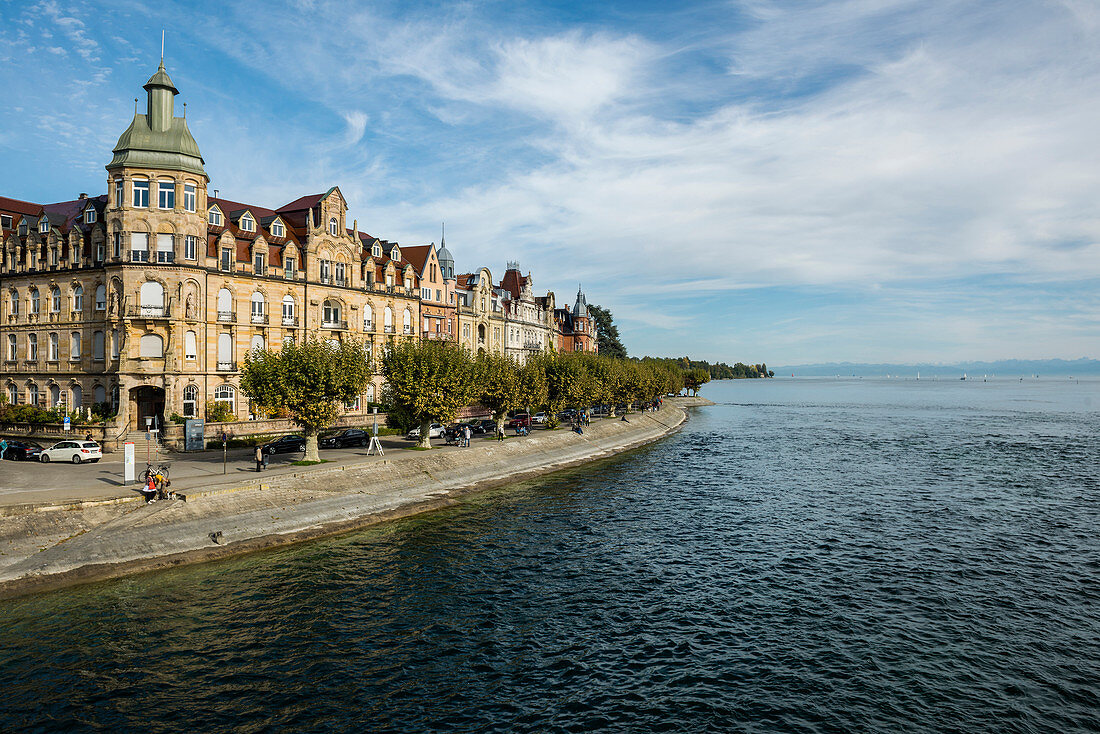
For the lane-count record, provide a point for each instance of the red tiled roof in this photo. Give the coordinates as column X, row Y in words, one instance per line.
column 302, row 203
column 417, row 254
column 15, row 206
column 513, row 283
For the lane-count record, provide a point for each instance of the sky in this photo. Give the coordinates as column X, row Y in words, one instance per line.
column 789, row 182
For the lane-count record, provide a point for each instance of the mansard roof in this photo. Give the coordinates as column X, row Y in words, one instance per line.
column 513, row 283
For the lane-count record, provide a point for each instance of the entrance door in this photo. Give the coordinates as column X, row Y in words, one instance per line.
column 148, row 402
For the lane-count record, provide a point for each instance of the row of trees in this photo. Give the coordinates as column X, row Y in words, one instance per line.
column 720, row 370
column 430, row 381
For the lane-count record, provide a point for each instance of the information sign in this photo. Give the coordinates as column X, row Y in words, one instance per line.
column 128, row 470
column 68, row 423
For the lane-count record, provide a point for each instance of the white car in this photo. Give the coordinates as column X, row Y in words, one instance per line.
column 539, row 417
column 435, row 430
column 75, row 451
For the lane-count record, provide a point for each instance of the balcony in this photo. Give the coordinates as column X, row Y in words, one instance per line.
column 259, row 318
column 368, row 326
column 227, row 366
column 532, row 345
column 290, row 320
column 147, row 312
column 331, row 280
column 389, row 330
column 343, row 325
column 226, row 317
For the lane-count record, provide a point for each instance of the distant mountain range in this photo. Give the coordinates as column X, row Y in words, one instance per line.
column 1004, row 368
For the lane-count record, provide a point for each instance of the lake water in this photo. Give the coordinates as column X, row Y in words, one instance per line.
column 806, row 556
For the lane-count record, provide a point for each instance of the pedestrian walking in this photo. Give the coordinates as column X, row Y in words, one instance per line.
column 466, row 431
column 500, row 431
column 3, row 447
column 259, row 456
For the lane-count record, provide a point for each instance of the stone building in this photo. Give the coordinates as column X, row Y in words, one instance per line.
column 529, row 320
column 149, row 297
column 575, row 327
column 435, row 269
column 481, row 324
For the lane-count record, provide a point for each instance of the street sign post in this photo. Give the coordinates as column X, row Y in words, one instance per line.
column 68, row 423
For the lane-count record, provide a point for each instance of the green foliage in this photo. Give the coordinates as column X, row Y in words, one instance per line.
column 607, row 334
column 428, row 381
column 219, row 413
column 37, row 416
column 177, row 418
column 306, row 381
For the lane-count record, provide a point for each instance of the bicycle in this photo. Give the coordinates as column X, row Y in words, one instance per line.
column 159, row 477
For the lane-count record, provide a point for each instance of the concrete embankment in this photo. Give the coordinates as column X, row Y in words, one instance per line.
column 44, row 547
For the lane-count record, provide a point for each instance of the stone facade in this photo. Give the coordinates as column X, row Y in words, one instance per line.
column 149, row 297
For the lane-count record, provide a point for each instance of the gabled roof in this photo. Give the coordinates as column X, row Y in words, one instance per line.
column 418, row 255
column 513, row 283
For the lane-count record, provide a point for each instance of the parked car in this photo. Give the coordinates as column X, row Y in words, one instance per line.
column 435, row 430
column 540, row 417
column 346, row 437
column 285, row 445
column 521, row 420
column 22, row 450
column 75, row 451
column 566, row 415
column 485, row 425
column 475, row 426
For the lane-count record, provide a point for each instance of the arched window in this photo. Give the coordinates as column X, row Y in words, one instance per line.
column 259, row 314
column 190, row 346
column 257, row 342
column 100, row 394
column 225, row 305
column 388, row 319
column 55, row 299
column 333, row 227
column 368, row 317
column 152, row 346
column 408, row 321
column 74, row 345
column 190, row 401
column 289, row 309
column 35, row 306
column 54, row 347
column 152, row 298
column 32, row 394
column 226, row 394
column 97, row 347
column 370, row 392
column 55, row 395
column 166, row 193
column 225, row 352
column 331, row 313
column 13, row 302
column 115, row 344
column 13, row 394
column 13, row 347
column 78, row 298
column 32, row 347
column 101, row 298
column 78, row 396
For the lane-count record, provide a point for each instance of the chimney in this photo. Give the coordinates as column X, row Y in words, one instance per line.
column 83, row 197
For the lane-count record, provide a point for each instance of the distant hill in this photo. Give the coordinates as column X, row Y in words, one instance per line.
column 1003, row 368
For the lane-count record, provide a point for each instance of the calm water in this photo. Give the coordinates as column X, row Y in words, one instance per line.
column 811, row 556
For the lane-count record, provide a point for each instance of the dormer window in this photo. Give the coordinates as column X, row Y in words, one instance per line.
column 395, row 254
column 5, row 221
column 44, row 226
column 376, row 250
column 89, row 216
column 333, row 227
column 214, row 216
column 277, row 229
column 248, row 224
column 23, row 228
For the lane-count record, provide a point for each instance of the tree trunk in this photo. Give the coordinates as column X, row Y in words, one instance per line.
column 311, row 445
column 498, row 418
column 425, row 435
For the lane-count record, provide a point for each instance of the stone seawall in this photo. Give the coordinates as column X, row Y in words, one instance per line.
column 47, row 549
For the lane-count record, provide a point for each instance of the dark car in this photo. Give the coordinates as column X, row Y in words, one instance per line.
column 346, row 437
column 475, row 427
column 21, row 450
column 285, row 445
column 485, row 425
column 521, row 420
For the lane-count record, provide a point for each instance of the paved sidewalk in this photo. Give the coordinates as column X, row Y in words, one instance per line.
column 34, row 483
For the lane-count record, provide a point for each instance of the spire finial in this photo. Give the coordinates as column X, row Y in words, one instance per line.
column 443, row 234
column 135, row 105
column 185, row 110
column 162, row 48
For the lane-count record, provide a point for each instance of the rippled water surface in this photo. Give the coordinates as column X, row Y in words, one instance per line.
column 809, row 556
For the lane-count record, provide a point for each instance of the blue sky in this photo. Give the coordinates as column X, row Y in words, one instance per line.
column 858, row 180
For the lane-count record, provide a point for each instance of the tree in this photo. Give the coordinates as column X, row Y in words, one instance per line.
column 696, row 378
column 429, row 381
column 504, row 385
column 307, row 382
column 607, row 334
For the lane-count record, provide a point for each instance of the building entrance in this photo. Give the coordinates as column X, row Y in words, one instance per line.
column 146, row 402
